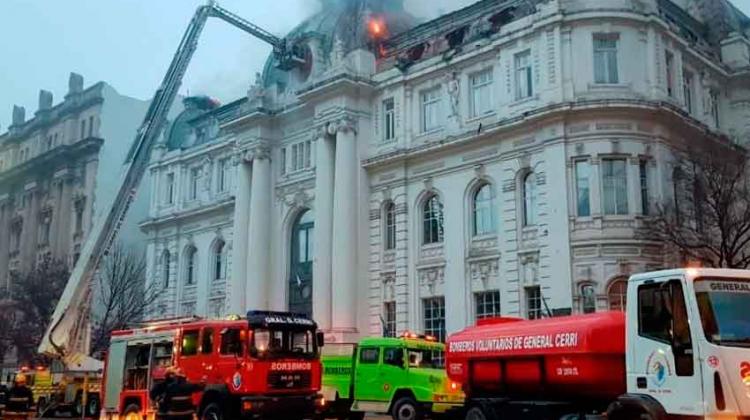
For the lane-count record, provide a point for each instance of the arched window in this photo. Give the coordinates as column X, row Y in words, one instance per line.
column 389, row 213
column 617, row 294
column 190, row 254
column 166, row 261
column 529, row 199
column 219, row 260
column 432, row 212
column 300, row 272
column 483, row 204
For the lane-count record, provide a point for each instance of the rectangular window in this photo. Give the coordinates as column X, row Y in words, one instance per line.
column 583, row 188
column 434, row 317
column 615, row 186
column 605, row 59
column 643, row 174
column 295, row 152
column 369, row 355
column 524, row 83
column 283, row 161
column 195, row 174
column 390, row 226
column 79, row 221
column 389, row 120
column 481, row 93
column 83, row 129
column 669, row 63
column 190, row 342
column 231, row 342
column 207, row 342
column 389, row 319
column 487, row 304
column 714, row 107
column 308, row 154
column 687, row 90
column 534, row 302
column 91, row 126
column 169, row 189
column 223, row 175
column 431, row 109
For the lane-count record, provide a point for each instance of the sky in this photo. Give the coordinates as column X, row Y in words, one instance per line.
column 129, row 44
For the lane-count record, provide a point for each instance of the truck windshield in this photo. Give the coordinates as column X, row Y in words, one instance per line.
column 426, row 359
column 723, row 307
column 278, row 343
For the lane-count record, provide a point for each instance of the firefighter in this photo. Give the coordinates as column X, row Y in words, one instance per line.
column 158, row 390
column 20, row 400
column 177, row 403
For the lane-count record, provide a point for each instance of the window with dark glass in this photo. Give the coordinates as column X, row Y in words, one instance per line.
column 432, row 221
column 389, row 120
column 483, row 206
column 207, row 341
column 654, row 312
column 389, row 319
column 617, row 294
column 169, row 193
column 219, row 261
column 369, row 355
column 583, row 188
column 393, row 356
column 487, row 304
column 669, row 65
column 687, row 90
column 588, row 299
column 390, row 225
column 643, row 174
column 231, row 342
column 195, row 174
column 190, row 266
column 166, row 261
column 434, row 317
column 533, row 302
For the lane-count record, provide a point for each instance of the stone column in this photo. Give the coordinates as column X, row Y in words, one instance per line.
column 259, row 231
column 322, row 286
column 344, row 250
column 239, row 238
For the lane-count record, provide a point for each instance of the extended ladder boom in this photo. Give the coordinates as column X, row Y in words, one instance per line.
column 68, row 333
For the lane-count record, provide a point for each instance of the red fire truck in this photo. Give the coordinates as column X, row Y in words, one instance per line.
column 680, row 351
column 267, row 364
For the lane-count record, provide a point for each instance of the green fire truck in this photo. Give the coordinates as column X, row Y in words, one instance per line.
column 403, row 377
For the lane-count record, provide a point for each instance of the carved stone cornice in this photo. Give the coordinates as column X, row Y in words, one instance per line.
column 345, row 124
column 258, row 151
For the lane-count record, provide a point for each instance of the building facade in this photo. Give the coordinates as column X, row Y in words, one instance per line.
column 58, row 172
column 497, row 160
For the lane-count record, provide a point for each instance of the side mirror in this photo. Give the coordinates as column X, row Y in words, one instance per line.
column 320, row 339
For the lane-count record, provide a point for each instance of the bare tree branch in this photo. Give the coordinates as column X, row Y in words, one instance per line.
column 122, row 296
column 708, row 219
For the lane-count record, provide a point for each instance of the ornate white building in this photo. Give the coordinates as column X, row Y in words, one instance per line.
column 496, row 160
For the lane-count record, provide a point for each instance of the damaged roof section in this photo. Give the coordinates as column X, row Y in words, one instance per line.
column 449, row 32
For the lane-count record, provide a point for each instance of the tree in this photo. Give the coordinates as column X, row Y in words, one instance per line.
column 34, row 296
column 708, row 219
column 122, row 296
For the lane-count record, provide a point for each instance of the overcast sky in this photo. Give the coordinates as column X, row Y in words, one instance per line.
column 129, row 44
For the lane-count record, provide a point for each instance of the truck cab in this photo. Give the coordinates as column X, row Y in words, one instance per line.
column 266, row 363
column 404, row 377
column 688, row 343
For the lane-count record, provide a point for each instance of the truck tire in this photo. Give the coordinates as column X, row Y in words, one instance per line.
column 212, row 412
column 406, row 408
column 132, row 412
column 93, row 406
column 479, row 413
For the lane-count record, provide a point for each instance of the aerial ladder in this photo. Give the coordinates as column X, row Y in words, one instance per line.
column 68, row 336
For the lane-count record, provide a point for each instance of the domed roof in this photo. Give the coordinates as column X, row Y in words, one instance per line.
column 347, row 21
column 179, row 132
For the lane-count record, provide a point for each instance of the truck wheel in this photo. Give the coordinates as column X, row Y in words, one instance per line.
column 478, row 413
column 132, row 412
column 406, row 409
column 92, row 406
column 212, row 412
column 77, row 407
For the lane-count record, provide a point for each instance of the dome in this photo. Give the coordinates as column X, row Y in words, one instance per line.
column 347, row 21
column 179, row 132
